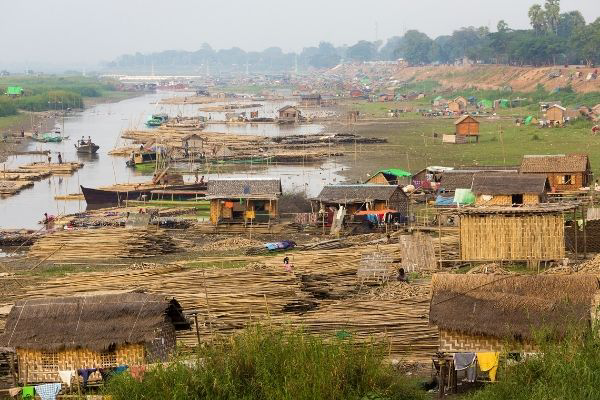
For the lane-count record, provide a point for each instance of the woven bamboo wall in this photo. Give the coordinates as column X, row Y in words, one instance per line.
column 38, row 366
column 456, row 342
column 512, row 237
column 506, row 200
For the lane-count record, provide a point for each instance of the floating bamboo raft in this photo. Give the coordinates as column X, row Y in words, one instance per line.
column 103, row 244
column 22, row 175
column 66, row 168
column 8, row 188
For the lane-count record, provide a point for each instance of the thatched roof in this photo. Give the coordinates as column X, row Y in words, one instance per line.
column 452, row 180
column 508, row 184
column 91, row 322
column 511, row 307
column 555, row 163
column 343, row 194
column 244, row 188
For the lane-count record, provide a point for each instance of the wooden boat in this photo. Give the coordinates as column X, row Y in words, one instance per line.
column 86, row 147
column 139, row 157
column 116, row 197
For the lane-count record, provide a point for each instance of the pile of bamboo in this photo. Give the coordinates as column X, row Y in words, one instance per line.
column 23, row 175
column 65, row 168
column 102, row 244
column 13, row 187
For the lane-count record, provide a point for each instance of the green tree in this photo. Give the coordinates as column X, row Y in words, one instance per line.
column 417, row 47
column 537, row 18
column 570, row 22
column 552, row 15
column 502, row 26
column 362, row 51
column 587, row 42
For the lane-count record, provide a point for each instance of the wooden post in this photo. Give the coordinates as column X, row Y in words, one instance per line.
column 576, row 233
column 197, row 329
column 442, row 380
column 440, row 236
column 584, row 216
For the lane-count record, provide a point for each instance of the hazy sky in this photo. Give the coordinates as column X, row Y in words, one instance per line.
column 75, row 33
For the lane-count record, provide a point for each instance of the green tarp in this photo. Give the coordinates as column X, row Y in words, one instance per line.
column 14, row 90
column 528, row 120
column 464, row 197
column 504, row 103
column 486, row 103
column 394, row 171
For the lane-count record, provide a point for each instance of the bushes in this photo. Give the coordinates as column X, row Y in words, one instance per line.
column 569, row 370
column 269, row 363
column 7, row 107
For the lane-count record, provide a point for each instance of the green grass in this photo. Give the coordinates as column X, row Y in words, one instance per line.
column 274, row 364
column 411, row 145
column 569, row 370
column 11, row 121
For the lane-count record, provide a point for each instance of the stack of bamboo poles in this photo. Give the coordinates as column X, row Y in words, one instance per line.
column 13, row 187
column 227, row 300
column 66, row 168
column 22, row 175
column 104, row 243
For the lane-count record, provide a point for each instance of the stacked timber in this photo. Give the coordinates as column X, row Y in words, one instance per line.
column 65, row 168
column 23, row 175
column 103, row 243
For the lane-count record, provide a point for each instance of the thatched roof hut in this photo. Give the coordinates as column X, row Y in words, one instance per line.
column 63, row 333
column 488, row 312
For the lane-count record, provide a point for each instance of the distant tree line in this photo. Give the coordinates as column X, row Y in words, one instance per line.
column 554, row 38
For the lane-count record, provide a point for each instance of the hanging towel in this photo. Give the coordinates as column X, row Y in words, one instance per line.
column 12, row 392
column 466, row 361
column 48, row 391
column 66, row 376
column 28, row 392
column 489, row 362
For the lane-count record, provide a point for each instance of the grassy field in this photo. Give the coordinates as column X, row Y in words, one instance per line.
column 412, row 146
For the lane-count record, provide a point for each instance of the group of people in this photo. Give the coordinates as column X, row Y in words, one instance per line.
column 60, row 159
column 83, row 142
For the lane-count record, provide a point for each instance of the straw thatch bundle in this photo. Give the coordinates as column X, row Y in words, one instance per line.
column 513, row 306
column 93, row 322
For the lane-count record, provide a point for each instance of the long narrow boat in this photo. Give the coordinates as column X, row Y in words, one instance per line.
column 116, row 197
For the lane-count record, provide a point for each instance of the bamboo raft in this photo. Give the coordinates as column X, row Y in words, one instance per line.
column 66, row 168
column 8, row 188
column 102, row 244
column 22, row 175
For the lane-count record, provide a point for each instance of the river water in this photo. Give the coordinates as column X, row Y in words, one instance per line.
column 104, row 123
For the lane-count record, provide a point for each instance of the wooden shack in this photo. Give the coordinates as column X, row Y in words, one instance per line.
column 102, row 331
column 462, row 102
column 467, row 126
column 288, row 114
column 243, row 200
column 564, row 172
column 509, row 189
column 193, row 141
column 556, row 114
column 390, row 176
column 454, row 107
column 482, row 313
column 310, row 100
column 357, row 198
column 529, row 233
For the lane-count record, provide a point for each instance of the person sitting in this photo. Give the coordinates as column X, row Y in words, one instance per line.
column 402, row 277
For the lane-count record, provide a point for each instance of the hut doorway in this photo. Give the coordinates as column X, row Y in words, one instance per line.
column 517, row 199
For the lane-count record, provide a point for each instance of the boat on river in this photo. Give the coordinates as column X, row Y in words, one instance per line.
column 86, row 147
column 157, row 120
column 141, row 157
column 114, row 197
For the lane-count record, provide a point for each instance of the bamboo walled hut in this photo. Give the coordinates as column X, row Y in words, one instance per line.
column 102, row 331
column 479, row 313
column 564, row 172
column 509, row 189
column 357, row 198
column 535, row 233
column 243, row 200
